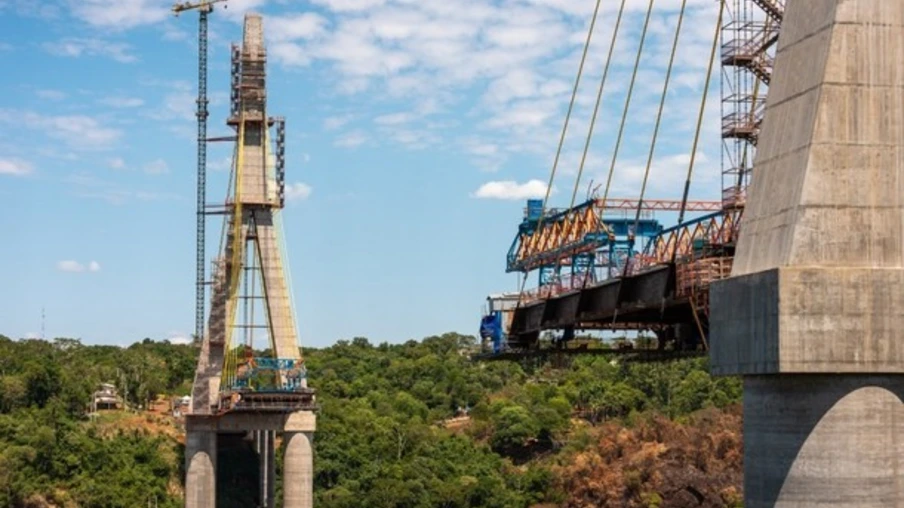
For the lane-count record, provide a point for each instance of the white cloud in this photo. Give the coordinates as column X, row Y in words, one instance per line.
column 30, row 9
column 90, row 186
column 80, row 132
column 224, row 164
column 666, row 177
column 351, row 139
column 179, row 338
column 72, row 266
column 394, row 119
column 504, row 68
column 289, row 54
column 509, row 189
column 52, row 95
column 297, row 191
column 334, row 122
column 349, row 5
column 75, row 47
column 94, row 266
column 178, row 105
column 236, row 9
column 15, row 167
column 116, row 163
column 171, row 33
column 156, row 167
column 119, row 14
column 293, row 27
column 32, row 335
column 121, row 102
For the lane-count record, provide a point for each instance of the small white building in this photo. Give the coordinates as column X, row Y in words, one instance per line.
column 181, row 406
column 105, row 398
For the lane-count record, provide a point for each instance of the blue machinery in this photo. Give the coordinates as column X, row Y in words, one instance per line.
column 269, row 374
column 577, row 238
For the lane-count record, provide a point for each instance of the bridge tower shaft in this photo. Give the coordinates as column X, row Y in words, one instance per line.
column 812, row 315
column 234, row 391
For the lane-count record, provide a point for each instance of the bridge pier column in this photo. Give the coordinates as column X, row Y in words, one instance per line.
column 813, row 314
column 823, row 440
column 263, row 443
column 200, row 464
column 298, row 464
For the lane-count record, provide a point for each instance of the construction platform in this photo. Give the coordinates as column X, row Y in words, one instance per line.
column 302, row 399
column 662, row 299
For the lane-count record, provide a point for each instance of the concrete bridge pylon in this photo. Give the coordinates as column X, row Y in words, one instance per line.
column 812, row 316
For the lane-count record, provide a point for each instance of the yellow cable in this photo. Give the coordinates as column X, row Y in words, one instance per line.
column 599, row 97
column 624, row 118
column 596, row 108
column 665, row 92
column 690, row 167
column 555, row 163
column 238, row 248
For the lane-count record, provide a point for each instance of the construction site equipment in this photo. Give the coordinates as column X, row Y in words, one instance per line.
column 662, row 275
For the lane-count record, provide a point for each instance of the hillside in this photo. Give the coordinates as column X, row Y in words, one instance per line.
column 409, row 425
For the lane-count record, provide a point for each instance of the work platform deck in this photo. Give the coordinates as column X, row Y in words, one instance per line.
column 301, row 399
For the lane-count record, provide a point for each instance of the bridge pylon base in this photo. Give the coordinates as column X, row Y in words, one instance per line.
column 297, row 430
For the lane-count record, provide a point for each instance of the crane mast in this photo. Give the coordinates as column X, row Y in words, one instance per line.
column 204, row 7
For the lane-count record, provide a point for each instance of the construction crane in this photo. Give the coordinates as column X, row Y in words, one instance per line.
column 204, row 8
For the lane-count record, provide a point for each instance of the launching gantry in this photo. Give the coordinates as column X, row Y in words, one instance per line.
column 235, row 390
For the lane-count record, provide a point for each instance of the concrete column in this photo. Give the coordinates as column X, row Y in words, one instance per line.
column 298, row 464
column 824, row 440
column 263, row 444
column 813, row 313
column 200, row 467
column 271, row 469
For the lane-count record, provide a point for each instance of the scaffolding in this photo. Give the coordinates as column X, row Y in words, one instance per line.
column 693, row 279
column 749, row 39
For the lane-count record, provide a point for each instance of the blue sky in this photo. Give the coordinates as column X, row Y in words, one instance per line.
column 415, row 131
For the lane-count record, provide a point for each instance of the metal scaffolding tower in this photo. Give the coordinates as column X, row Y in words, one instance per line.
column 749, row 36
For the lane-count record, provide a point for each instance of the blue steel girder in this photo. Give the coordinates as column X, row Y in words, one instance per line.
column 269, row 374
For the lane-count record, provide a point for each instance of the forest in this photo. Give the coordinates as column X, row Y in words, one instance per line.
column 414, row 424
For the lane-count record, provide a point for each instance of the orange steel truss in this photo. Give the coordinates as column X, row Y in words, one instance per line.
column 684, row 244
column 564, row 235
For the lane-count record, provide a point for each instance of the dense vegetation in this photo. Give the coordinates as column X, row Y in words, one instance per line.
column 392, row 432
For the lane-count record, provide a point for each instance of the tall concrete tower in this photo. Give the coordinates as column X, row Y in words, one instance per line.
column 236, row 390
column 813, row 314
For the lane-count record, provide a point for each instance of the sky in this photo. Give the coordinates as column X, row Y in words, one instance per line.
column 416, row 130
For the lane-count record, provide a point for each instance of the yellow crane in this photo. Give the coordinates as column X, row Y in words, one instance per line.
column 204, row 7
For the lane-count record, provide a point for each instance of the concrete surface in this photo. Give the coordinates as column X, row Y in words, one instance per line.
column 259, row 221
column 298, row 462
column 263, row 445
column 809, row 320
column 824, row 440
column 826, row 204
column 258, row 194
column 200, row 467
column 813, row 315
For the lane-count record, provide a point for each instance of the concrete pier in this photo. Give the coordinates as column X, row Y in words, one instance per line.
column 263, row 445
column 831, row 440
column 200, row 466
column 298, row 463
column 813, row 314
